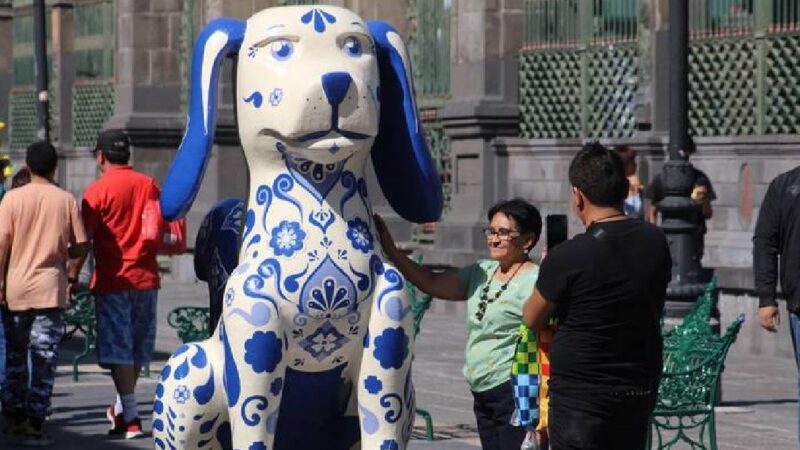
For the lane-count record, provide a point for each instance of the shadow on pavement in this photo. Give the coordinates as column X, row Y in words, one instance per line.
column 777, row 401
column 70, row 348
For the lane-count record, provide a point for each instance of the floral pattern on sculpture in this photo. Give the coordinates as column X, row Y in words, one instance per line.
column 287, row 238
column 359, row 235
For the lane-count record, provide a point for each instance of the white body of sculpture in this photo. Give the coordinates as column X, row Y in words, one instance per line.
column 316, row 329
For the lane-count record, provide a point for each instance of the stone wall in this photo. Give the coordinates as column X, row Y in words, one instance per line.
column 740, row 170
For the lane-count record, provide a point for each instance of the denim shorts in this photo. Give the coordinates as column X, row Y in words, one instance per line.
column 126, row 327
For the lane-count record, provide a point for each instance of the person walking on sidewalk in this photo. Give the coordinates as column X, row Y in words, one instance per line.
column 777, row 239
column 607, row 288
column 42, row 241
column 125, row 281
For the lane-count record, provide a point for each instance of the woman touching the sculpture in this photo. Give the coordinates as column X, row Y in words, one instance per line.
column 495, row 290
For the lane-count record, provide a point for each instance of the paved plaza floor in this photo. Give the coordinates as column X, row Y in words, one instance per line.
column 759, row 409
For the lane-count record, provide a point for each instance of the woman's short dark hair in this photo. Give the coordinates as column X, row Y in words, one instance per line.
column 626, row 153
column 525, row 214
column 21, row 178
column 600, row 174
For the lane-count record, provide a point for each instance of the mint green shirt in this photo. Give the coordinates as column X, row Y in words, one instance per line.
column 491, row 341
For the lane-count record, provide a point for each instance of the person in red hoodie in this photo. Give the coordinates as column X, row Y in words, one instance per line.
column 118, row 210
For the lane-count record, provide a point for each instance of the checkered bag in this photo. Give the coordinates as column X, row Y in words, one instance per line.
column 526, row 379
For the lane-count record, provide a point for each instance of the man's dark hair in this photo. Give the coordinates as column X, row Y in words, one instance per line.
column 525, row 214
column 600, row 174
column 115, row 146
column 116, row 157
column 41, row 158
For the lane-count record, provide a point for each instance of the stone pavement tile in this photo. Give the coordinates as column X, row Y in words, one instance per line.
column 759, row 409
column 79, row 411
column 759, row 403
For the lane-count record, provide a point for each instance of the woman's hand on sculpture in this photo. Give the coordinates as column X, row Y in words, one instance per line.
column 387, row 242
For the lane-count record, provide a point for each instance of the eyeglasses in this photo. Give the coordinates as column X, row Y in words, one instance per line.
column 503, row 234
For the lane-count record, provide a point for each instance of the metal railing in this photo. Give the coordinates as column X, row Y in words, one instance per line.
column 569, row 23
column 552, row 23
column 94, row 40
column 614, row 21
column 785, row 16
column 429, row 44
column 721, row 18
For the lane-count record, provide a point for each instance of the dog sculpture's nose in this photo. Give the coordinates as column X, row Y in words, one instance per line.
column 335, row 85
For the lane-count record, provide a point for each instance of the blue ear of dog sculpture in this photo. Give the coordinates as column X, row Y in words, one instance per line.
column 220, row 39
column 400, row 154
column 313, row 347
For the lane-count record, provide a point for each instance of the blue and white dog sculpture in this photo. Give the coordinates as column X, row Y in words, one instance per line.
column 314, row 346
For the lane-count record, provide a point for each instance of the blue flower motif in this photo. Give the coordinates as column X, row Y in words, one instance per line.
column 390, row 444
column 373, row 385
column 276, row 96
column 287, row 238
column 229, row 296
column 391, row 348
column 320, row 17
column 263, row 351
column 257, row 446
column 359, row 235
column 276, row 386
column 181, row 394
column 325, row 341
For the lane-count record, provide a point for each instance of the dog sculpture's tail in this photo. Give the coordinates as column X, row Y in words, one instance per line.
column 196, row 415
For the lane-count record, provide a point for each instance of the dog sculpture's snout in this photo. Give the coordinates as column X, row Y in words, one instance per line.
column 335, row 85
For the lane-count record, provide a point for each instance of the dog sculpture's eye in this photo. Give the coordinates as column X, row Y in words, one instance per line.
column 282, row 49
column 352, row 46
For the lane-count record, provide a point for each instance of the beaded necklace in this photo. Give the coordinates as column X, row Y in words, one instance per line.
column 485, row 299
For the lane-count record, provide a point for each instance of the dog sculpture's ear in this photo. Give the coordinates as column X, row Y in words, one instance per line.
column 403, row 164
column 220, row 38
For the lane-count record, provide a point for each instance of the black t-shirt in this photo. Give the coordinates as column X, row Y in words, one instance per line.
column 655, row 192
column 609, row 296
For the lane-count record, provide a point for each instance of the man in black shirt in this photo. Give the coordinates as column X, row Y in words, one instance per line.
column 702, row 193
column 777, row 239
column 606, row 287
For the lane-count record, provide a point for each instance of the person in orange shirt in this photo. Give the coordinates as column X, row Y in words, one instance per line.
column 125, row 282
column 42, row 241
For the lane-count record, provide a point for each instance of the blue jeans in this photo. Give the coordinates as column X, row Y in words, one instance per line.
column 126, row 327
column 794, row 326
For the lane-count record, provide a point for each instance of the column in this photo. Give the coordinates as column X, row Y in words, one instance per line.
column 486, row 37
column 62, row 28
column 6, row 66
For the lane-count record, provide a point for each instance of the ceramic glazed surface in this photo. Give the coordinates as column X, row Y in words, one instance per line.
column 313, row 349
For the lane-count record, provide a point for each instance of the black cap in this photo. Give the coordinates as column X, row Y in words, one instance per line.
column 113, row 141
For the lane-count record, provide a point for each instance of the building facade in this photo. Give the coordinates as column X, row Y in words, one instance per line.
column 509, row 90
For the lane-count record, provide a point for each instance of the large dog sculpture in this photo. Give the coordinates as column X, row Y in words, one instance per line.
column 314, row 346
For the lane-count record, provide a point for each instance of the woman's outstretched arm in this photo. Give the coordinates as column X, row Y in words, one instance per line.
column 444, row 285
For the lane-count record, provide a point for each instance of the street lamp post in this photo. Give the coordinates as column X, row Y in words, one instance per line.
column 677, row 208
column 40, row 55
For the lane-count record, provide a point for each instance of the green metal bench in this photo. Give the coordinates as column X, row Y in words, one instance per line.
column 420, row 303
column 693, row 365
column 698, row 318
column 191, row 323
column 79, row 316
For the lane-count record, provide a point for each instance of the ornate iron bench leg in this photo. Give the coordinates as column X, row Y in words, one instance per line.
column 88, row 347
column 428, row 423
